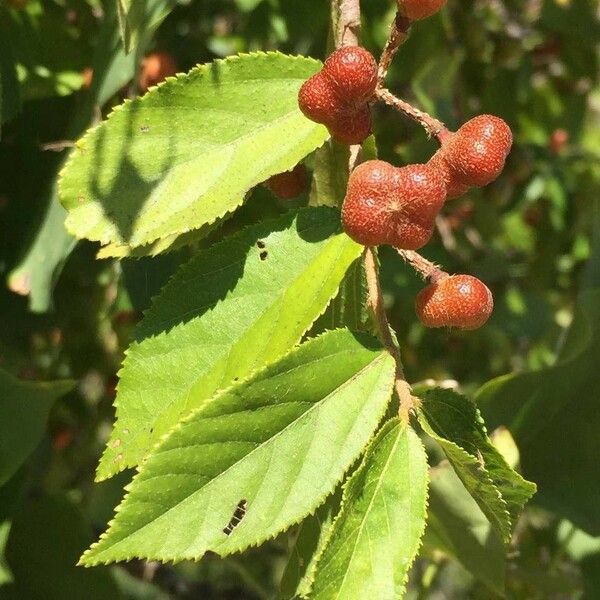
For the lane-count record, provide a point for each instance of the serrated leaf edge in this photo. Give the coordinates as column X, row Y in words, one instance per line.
column 83, row 561
column 472, row 460
column 122, row 466
column 310, row 577
column 80, row 144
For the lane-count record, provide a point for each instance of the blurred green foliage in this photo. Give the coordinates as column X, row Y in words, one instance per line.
column 528, row 235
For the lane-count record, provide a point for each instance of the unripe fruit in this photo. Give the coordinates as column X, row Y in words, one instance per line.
column 476, row 153
column 290, row 184
column 395, row 206
column 459, row 301
column 421, row 9
column 338, row 95
column 156, row 67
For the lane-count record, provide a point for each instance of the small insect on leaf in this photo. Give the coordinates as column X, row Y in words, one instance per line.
column 238, row 515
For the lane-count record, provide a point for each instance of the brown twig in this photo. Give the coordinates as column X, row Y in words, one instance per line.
column 425, row 268
column 398, row 35
column 432, row 126
column 408, row 402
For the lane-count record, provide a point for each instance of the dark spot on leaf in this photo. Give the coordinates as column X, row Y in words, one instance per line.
column 238, row 515
column 263, row 255
column 261, row 244
column 144, row 129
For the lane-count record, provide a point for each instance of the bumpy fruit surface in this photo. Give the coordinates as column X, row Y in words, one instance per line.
column 421, row 9
column 454, row 188
column 338, row 95
column 290, row 184
column 389, row 205
column 460, row 301
column 156, row 67
column 476, row 153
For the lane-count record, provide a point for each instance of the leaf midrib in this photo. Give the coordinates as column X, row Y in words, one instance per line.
column 271, row 440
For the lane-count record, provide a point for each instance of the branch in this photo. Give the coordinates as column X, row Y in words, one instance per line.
column 348, row 29
column 348, row 23
column 408, row 402
column 433, row 127
column 398, row 35
column 425, row 268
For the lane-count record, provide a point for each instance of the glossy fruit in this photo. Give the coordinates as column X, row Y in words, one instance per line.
column 156, row 67
column 395, row 206
column 421, row 9
column 338, row 95
column 476, row 153
column 290, row 184
column 459, row 301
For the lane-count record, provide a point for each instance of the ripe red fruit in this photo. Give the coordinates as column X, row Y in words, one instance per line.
column 290, row 184
column 338, row 95
column 156, row 67
column 389, row 205
column 459, row 301
column 454, row 188
column 421, row 9
column 476, row 153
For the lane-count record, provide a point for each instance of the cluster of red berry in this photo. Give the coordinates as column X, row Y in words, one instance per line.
column 385, row 204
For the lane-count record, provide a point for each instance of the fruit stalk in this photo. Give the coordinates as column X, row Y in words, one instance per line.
column 434, row 128
column 398, row 35
column 408, row 402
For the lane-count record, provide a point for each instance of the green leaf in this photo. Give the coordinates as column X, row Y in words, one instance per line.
column 231, row 309
column 133, row 20
column 455, row 418
column 553, row 416
column 330, row 176
column 186, row 153
column 348, row 308
column 46, row 537
column 38, row 270
column 275, row 446
column 456, row 525
column 24, row 409
column 376, row 536
column 50, row 244
column 476, row 480
column 312, row 536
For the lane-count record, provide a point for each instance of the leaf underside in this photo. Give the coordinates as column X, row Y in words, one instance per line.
column 186, row 153
column 455, row 423
column 275, row 445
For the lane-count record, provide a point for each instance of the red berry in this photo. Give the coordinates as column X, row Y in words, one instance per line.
column 352, row 128
column 459, row 301
column 318, row 101
column 156, row 67
column 454, row 189
column 421, row 9
column 290, row 184
column 338, row 95
column 352, row 72
column 395, row 206
column 476, row 153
